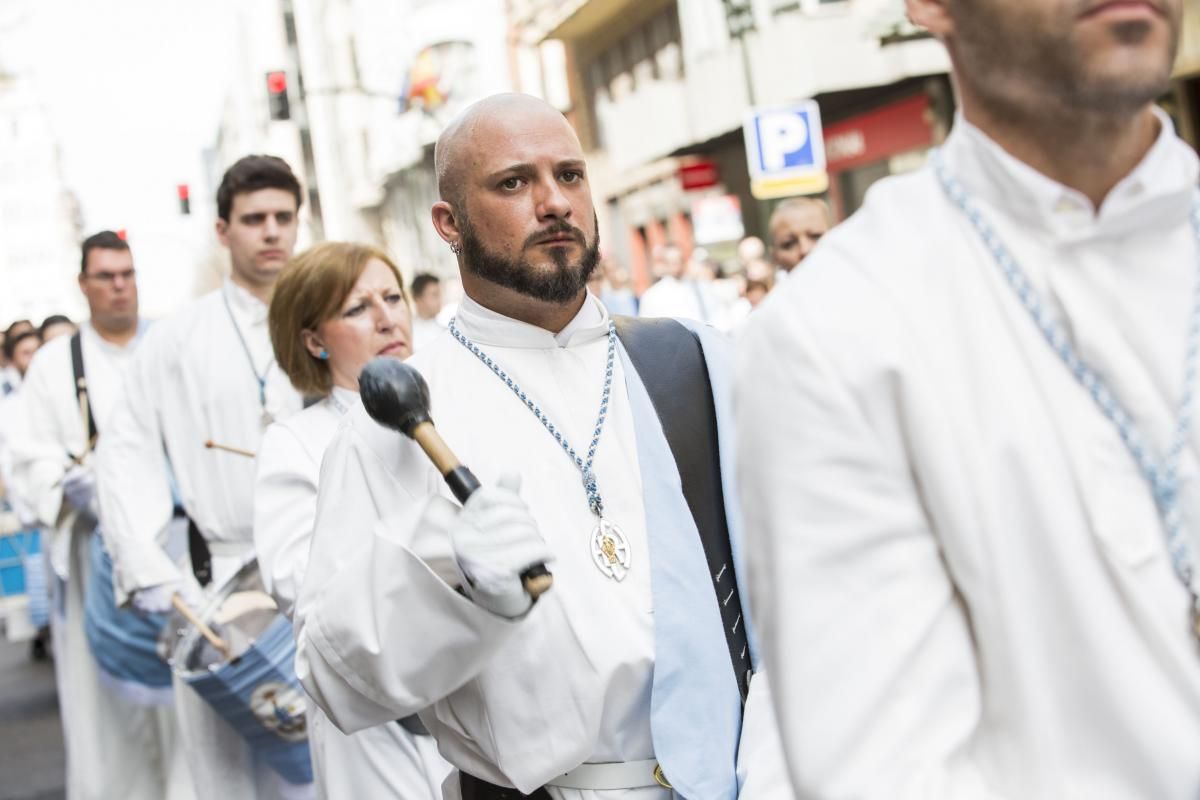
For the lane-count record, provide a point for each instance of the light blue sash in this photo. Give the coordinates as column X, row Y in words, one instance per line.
column 696, row 710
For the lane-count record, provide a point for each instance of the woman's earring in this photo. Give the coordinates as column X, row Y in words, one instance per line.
column 323, row 355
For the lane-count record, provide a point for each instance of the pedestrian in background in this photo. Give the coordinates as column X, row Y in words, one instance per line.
column 427, row 305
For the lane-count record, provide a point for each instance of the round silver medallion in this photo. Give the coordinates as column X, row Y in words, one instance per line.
column 610, row 550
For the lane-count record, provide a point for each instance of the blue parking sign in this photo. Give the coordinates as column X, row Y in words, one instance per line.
column 785, row 148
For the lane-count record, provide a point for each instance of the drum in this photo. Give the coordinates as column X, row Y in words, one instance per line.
column 255, row 689
column 123, row 641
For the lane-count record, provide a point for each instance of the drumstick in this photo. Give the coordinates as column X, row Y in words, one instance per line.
column 205, row 631
column 237, row 451
column 396, row 396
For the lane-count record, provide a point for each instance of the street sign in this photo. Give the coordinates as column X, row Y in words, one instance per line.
column 785, row 150
column 717, row 219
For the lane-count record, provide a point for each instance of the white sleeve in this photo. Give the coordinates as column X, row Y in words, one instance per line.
column 285, row 506
column 131, row 477
column 38, row 444
column 873, row 671
column 374, row 616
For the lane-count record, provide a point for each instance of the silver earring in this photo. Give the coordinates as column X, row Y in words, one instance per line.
column 456, row 248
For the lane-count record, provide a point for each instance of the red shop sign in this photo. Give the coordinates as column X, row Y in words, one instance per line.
column 699, row 175
column 879, row 134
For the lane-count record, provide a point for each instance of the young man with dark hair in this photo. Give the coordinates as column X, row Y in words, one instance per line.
column 427, row 302
column 118, row 733
column 207, row 374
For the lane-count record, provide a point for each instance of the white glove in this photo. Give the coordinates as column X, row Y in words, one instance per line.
column 157, row 599
column 79, row 486
column 495, row 539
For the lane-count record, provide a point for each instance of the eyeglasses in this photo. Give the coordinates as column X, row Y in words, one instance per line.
column 111, row 277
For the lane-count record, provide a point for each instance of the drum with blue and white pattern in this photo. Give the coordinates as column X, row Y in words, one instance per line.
column 255, row 689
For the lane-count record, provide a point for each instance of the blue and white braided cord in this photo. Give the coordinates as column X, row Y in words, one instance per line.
column 1162, row 477
column 585, row 466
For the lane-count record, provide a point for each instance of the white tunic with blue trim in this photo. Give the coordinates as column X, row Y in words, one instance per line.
column 381, row 631
column 952, row 552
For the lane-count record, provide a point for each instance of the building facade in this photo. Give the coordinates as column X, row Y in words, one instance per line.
column 39, row 216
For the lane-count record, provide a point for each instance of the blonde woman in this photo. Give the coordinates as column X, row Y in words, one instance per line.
column 336, row 307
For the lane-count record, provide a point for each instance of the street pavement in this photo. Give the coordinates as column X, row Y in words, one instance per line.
column 32, row 761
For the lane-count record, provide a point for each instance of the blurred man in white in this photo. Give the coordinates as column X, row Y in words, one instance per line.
column 427, row 304
column 947, row 420
column 205, row 374
column 115, row 747
column 677, row 294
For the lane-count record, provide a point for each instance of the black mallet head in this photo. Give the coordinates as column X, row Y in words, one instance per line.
column 394, row 394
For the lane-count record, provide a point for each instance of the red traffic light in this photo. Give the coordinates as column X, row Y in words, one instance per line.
column 277, row 96
column 182, row 189
column 277, row 82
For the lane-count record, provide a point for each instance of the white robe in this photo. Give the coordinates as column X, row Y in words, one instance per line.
column 192, row 382
column 686, row 298
column 381, row 633
column 959, row 576
column 425, row 331
column 114, row 746
column 379, row 762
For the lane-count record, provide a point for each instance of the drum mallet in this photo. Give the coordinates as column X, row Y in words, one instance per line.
column 397, row 397
column 205, row 631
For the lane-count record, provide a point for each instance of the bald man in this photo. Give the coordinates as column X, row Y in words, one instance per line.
column 599, row 443
column 796, row 226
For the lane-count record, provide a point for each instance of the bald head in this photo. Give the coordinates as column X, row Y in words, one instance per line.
column 516, row 207
column 478, row 128
column 795, row 228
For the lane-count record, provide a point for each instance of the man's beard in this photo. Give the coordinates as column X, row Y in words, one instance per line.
column 1015, row 58
column 560, row 286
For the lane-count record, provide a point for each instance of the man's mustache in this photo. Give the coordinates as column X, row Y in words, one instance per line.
column 560, row 228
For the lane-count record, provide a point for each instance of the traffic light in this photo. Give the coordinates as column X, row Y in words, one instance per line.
column 277, row 97
column 185, row 202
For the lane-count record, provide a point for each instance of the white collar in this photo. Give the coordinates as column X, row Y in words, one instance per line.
column 245, row 304
column 341, row 399
column 87, row 329
column 1156, row 194
column 484, row 326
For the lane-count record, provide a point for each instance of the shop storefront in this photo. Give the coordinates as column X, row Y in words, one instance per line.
column 889, row 140
column 1184, row 102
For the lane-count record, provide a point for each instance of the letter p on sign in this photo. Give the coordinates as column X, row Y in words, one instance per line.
column 781, row 136
column 785, row 150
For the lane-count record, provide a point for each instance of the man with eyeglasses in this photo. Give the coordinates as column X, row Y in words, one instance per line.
column 118, row 742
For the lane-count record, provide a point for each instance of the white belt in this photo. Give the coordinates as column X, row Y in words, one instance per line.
column 228, row 548
column 615, row 775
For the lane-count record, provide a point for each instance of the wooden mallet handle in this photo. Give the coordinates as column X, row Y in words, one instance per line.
column 397, row 397
column 463, row 483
